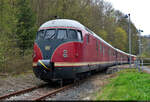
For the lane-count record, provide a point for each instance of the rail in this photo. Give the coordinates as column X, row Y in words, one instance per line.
column 53, row 92
column 20, row 92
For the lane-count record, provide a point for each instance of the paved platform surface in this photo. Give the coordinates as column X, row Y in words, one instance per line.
column 144, row 68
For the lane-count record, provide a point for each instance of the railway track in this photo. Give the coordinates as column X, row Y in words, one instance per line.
column 29, row 90
column 21, row 91
column 53, row 92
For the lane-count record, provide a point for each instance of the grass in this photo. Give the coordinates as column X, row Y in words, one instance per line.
column 128, row 85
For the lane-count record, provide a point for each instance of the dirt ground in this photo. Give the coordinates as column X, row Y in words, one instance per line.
column 13, row 83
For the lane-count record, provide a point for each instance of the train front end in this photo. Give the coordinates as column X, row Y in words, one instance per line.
column 55, row 45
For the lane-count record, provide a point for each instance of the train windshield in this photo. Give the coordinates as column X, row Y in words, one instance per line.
column 40, row 35
column 72, row 34
column 46, row 34
column 50, row 34
column 62, row 34
column 69, row 34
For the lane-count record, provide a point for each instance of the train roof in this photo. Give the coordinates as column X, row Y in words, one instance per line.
column 62, row 23
column 75, row 24
column 98, row 37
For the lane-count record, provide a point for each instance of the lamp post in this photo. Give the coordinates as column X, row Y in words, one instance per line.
column 139, row 31
column 140, row 46
column 129, row 31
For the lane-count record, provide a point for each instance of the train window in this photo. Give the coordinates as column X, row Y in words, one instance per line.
column 96, row 45
column 79, row 35
column 62, row 34
column 100, row 47
column 114, row 54
column 72, row 34
column 40, row 35
column 103, row 51
column 50, row 34
column 109, row 52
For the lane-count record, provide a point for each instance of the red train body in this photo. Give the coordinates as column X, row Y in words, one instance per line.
column 65, row 48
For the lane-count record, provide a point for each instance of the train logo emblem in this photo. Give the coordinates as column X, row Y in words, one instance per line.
column 47, row 48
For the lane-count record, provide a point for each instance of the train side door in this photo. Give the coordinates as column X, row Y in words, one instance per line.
column 86, row 46
column 87, row 39
column 101, row 51
column 109, row 54
column 116, row 57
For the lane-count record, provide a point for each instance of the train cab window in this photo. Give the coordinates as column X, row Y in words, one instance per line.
column 79, row 34
column 40, row 35
column 62, row 34
column 72, row 34
column 50, row 34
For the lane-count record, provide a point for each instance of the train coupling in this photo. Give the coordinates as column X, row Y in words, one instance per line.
column 46, row 64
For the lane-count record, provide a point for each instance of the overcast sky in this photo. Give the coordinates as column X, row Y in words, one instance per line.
column 139, row 10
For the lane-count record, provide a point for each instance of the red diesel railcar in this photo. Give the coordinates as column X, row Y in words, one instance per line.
column 64, row 48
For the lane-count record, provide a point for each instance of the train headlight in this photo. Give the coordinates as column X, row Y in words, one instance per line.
column 65, row 53
column 34, row 64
